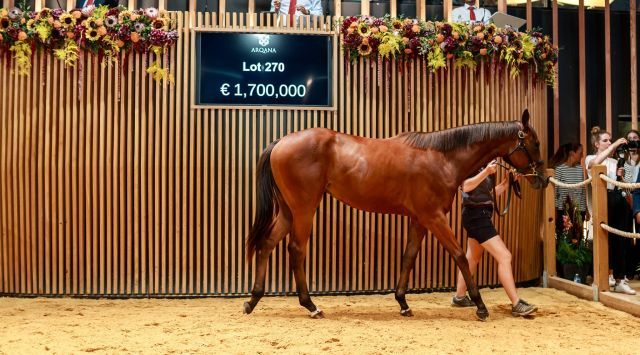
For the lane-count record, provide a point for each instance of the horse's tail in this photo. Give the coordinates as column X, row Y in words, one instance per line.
column 267, row 202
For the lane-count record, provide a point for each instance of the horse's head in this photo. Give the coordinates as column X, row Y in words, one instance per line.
column 525, row 156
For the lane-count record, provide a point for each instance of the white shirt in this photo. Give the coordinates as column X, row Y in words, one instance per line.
column 313, row 6
column 462, row 14
column 611, row 165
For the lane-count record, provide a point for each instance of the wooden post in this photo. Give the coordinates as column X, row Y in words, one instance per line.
column 634, row 65
column 502, row 6
column 529, row 15
column 337, row 8
column 447, row 7
column 364, row 7
column 549, row 229
column 556, row 85
column 607, row 65
column 582, row 81
column 7, row 4
column 393, row 11
column 162, row 4
column 251, row 9
column 38, row 5
column 222, row 10
column 71, row 4
column 421, row 9
column 600, row 236
column 192, row 12
column 132, row 4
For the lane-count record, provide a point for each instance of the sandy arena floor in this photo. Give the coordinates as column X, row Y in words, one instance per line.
column 356, row 324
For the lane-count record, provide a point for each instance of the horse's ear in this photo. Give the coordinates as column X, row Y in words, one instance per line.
column 525, row 119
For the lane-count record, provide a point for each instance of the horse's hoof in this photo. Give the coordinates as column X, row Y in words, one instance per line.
column 406, row 312
column 246, row 309
column 482, row 314
column 317, row 314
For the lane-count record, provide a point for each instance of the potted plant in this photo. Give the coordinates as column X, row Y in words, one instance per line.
column 573, row 253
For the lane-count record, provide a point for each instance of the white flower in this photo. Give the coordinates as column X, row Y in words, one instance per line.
column 151, row 12
column 88, row 10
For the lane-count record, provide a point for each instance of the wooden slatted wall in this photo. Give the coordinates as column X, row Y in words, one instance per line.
column 110, row 185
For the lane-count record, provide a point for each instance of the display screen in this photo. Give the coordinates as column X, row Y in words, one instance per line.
column 263, row 69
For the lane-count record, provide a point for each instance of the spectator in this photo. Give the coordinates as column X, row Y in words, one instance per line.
column 470, row 13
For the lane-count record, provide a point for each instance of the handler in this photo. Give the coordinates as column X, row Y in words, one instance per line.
column 477, row 209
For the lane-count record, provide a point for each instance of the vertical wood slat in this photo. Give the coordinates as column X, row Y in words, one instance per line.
column 607, row 65
column 582, row 74
column 502, row 6
column 530, row 15
column 365, row 7
column 556, row 86
column 633, row 67
column 132, row 250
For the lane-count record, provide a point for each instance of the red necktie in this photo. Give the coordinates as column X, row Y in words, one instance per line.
column 472, row 15
column 292, row 11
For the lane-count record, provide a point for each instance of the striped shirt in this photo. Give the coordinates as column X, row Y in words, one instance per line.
column 570, row 175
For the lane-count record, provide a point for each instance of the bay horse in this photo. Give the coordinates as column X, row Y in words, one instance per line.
column 413, row 174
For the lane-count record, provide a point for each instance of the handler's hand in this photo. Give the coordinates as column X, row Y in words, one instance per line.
column 492, row 168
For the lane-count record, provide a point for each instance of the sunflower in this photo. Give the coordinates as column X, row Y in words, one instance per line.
column 364, row 30
column 91, row 23
column 31, row 24
column 160, row 24
column 67, row 20
column 4, row 23
column 364, row 49
column 92, row 34
column 125, row 15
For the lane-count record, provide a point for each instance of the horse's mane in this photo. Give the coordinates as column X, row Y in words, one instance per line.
column 460, row 137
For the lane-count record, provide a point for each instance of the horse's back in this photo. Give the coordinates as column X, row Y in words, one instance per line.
column 369, row 174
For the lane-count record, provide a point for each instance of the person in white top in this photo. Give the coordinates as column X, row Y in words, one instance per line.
column 619, row 212
column 470, row 13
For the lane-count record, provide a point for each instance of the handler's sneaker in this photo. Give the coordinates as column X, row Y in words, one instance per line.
column 462, row 302
column 522, row 308
column 623, row 287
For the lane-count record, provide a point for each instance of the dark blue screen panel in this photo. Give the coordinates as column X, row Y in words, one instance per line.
column 263, row 69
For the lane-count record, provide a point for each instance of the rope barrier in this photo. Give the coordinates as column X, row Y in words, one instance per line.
column 619, row 232
column 570, row 186
column 622, row 185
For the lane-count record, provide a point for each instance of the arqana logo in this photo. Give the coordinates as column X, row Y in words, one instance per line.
column 264, row 40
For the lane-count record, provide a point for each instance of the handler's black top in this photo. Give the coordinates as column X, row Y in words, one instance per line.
column 481, row 195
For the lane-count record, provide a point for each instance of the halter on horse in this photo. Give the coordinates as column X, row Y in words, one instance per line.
column 412, row 174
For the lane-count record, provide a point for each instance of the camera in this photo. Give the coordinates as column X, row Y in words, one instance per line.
column 630, row 145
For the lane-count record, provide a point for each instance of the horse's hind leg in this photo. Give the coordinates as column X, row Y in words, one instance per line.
column 297, row 253
column 416, row 235
column 441, row 230
column 280, row 229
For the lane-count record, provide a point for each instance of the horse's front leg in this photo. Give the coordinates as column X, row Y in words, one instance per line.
column 440, row 228
column 416, row 235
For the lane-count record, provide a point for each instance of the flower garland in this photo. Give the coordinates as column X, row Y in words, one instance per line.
column 438, row 42
column 98, row 30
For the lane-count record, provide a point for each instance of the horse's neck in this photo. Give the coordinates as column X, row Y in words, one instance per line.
column 471, row 159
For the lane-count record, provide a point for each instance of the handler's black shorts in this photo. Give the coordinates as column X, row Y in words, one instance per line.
column 477, row 222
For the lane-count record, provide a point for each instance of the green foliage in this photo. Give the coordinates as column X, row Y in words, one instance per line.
column 571, row 243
